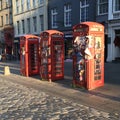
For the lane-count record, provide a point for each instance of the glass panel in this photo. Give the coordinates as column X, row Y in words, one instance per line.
column 103, row 6
column 117, row 5
column 67, row 15
column 54, row 18
column 97, row 63
column 23, row 57
column 57, row 57
column 34, row 56
column 84, row 10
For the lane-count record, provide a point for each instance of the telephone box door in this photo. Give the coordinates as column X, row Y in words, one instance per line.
column 96, row 65
column 57, row 57
column 45, row 59
column 33, row 57
column 22, row 56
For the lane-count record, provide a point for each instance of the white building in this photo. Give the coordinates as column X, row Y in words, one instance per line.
column 113, row 30
column 29, row 17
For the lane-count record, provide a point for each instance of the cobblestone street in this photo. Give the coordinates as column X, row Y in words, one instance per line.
column 18, row 102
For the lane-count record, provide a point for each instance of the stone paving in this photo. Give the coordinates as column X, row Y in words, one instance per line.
column 18, row 102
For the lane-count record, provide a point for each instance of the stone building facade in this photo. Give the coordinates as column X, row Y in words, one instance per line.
column 114, row 30
column 6, row 27
column 29, row 17
column 64, row 14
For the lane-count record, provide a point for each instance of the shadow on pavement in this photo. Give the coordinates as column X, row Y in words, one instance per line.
column 112, row 78
column 111, row 72
column 14, row 67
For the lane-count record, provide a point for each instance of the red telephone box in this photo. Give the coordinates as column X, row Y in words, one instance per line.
column 52, row 55
column 29, row 55
column 88, row 58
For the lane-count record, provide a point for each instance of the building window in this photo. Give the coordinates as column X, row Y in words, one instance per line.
column 84, row 7
column 102, row 7
column 7, row 3
column 18, row 27
column 41, row 1
column 67, row 15
column 17, row 6
column 22, row 5
column 28, row 4
column 117, row 38
column 34, row 3
column 116, row 5
column 28, row 25
column 23, row 26
column 11, row 18
column 34, row 24
column 41, row 23
column 7, row 19
column 54, row 18
column 10, row 3
column 1, row 20
column 0, row 4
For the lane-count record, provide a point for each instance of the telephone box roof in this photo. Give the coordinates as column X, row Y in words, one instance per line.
column 52, row 32
column 89, row 23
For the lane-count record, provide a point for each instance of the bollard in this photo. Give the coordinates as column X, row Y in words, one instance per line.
column 6, row 70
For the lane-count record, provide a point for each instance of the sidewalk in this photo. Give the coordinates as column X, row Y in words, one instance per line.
column 105, row 98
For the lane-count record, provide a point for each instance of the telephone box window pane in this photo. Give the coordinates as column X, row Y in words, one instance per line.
column 97, row 64
column 23, row 57
column 33, row 51
column 98, row 42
